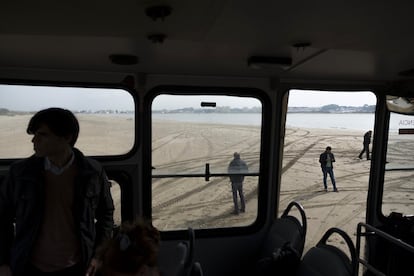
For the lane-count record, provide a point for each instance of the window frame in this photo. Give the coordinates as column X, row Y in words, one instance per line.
column 388, row 217
column 264, row 153
column 87, row 85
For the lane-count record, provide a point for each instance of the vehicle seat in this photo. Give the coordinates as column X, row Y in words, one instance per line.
column 283, row 246
column 328, row 260
column 191, row 267
column 181, row 262
column 171, row 262
column 196, row 269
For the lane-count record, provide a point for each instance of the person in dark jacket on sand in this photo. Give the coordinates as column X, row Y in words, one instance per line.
column 236, row 168
column 327, row 159
column 367, row 141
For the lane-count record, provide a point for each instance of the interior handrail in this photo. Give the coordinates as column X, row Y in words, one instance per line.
column 372, row 232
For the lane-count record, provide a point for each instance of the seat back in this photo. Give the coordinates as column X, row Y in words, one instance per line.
column 171, row 262
column 180, row 261
column 189, row 260
column 191, row 267
column 196, row 269
column 284, row 243
column 327, row 260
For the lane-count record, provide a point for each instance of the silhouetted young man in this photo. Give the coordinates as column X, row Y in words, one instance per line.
column 60, row 202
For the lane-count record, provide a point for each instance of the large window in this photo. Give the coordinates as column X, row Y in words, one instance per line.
column 194, row 139
column 398, row 193
column 106, row 117
column 316, row 120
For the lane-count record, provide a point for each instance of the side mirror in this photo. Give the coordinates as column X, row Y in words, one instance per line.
column 403, row 105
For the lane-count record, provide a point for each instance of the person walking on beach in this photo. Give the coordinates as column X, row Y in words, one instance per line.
column 367, row 141
column 237, row 168
column 327, row 159
column 56, row 206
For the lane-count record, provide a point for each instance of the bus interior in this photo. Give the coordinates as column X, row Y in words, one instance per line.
column 167, row 91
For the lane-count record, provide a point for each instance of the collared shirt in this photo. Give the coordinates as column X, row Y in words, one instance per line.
column 55, row 169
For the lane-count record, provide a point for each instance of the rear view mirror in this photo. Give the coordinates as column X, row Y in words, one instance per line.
column 403, row 105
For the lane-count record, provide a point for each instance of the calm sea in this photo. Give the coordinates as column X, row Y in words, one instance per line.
column 351, row 121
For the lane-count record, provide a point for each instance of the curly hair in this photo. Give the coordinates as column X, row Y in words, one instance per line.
column 135, row 246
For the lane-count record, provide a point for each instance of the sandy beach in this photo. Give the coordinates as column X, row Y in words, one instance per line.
column 183, row 148
column 180, row 202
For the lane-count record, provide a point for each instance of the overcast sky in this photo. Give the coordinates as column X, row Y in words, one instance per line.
column 33, row 98
column 321, row 98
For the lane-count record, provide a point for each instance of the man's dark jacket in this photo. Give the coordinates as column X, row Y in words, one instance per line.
column 21, row 200
column 367, row 138
column 237, row 166
column 324, row 156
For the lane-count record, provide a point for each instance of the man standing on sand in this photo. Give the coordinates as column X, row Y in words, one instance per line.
column 237, row 168
column 367, row 141
column 55, row 206
column 327, row 159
